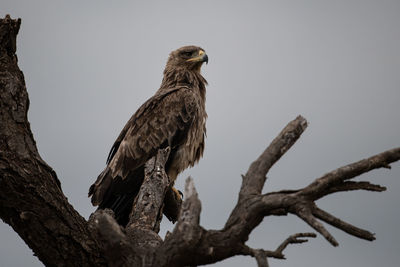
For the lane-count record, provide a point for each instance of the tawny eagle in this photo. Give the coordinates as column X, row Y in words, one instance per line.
column 175, row 116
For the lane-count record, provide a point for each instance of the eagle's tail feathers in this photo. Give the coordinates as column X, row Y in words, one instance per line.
column 122, row 207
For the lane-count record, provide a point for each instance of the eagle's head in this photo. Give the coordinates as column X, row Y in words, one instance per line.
column 187, row 58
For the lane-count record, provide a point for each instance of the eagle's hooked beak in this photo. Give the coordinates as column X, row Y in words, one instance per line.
column 202, row 57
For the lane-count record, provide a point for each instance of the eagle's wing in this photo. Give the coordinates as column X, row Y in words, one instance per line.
column 149, row 105
column 161, row 121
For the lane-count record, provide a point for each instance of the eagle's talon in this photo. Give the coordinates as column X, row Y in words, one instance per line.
column 178, row 194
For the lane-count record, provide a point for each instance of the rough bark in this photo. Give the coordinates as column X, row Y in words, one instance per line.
column 32, row 202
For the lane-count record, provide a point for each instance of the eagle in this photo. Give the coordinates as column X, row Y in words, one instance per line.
column 174, row 117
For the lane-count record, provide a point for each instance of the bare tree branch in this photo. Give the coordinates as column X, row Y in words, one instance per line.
column 350, row 186
column 336, row 222
column 305, row 213
column 262, row 255
column 301, row 202
column 336, row 177
column 293, row 239
column 253, row 181
column 190, row 213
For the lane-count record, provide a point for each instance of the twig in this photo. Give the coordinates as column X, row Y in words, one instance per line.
column 346, row 227
column 319, row 187
column 262, row 255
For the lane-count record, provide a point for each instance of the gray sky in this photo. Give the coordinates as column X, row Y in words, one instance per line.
column 89, row 65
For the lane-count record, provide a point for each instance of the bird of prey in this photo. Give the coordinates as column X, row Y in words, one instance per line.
column 174, row 116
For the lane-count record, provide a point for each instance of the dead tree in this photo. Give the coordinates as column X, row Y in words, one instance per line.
column 32, row 202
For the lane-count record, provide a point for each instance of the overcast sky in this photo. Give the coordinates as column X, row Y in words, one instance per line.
column 89, row 65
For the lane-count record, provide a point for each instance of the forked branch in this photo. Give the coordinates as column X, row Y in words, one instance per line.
column 263, row 255
column 252, row 206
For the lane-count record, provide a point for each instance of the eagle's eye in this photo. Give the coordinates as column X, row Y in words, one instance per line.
column 186, row 54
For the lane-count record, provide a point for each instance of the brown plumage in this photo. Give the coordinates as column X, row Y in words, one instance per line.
column 175, row 116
